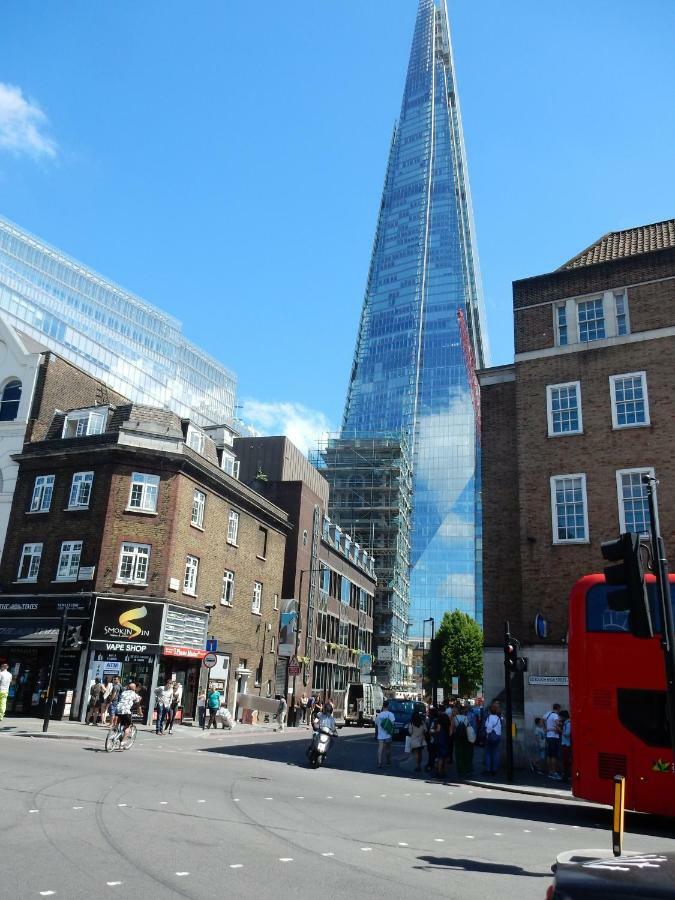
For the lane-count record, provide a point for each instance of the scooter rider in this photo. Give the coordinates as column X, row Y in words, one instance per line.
column 325, row 719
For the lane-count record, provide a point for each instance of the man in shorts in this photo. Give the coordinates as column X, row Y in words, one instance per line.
column 113, row 699
column 553, row 728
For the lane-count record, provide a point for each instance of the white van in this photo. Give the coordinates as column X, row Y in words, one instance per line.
column 362, row 703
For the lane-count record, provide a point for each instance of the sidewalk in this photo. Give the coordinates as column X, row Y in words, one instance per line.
column 30, row 727
column 525, row 782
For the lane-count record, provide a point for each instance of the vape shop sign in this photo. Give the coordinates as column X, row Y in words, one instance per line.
column 132, row 625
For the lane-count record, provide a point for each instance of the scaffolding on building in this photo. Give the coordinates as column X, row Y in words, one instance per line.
column 370, row 482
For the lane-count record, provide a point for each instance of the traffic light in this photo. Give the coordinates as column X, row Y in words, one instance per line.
column 627, row 576
column 73, row 637
column 512, row 660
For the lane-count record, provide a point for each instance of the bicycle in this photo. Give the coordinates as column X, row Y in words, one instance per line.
column 115, row 740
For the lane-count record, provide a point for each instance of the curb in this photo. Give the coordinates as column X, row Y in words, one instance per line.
column 523, row 789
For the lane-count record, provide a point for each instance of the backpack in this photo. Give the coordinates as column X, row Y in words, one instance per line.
column 460, row 731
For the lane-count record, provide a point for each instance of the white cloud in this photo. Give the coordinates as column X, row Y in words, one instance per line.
column 23, row 124
column 301, row 425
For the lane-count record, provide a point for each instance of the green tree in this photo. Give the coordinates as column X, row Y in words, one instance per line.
column 461, row 650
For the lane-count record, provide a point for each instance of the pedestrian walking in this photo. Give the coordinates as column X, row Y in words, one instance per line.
column 163, row 697
column 463, row 745
column 386, row 725
column 213, row 705
column 95, row 694
column 303, row 707
column 566, row 744
column 310, row 709
column 201, row 708
column 442, row 734
column 5, row 681
column 538, row 764
column 553, row 727
column 113, row 699
column 429, row 725
column 417, row 732
column 105, row 699
column 493, row 737
column 281, row 713
column 176, row 702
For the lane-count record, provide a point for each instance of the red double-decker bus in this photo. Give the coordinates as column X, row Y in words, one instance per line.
column 618, row 702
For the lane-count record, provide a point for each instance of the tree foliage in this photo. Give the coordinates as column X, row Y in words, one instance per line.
column 460, row 640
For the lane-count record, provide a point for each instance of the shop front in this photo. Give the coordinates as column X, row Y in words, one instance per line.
column 29, row 630
column 126, row 641
column 183, row 642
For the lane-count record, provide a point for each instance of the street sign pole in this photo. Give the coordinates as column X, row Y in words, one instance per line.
column 55, row 668
column 208, row 662
column 618, row 814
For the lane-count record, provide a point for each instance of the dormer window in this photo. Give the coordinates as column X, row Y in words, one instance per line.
column 83, row 422
column 195, row 439
column 230, row 464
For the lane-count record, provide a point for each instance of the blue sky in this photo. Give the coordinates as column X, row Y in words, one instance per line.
column 224, row 160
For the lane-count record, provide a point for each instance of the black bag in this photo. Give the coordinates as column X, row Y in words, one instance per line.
column 460, row 731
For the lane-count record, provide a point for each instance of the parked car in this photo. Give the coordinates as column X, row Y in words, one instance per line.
column 403, row 712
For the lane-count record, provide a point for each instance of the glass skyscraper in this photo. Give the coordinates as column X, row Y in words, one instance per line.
column 133, row 347
column 422, row 329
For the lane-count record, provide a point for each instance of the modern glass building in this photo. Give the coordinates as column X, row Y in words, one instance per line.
column 422, row 330
column 135, row 348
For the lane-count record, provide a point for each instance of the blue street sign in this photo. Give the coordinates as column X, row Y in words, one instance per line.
column 211, row 645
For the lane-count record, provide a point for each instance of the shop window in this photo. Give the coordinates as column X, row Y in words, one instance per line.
column 134, row 562
column 42, row 493
column 29, row 564
column 80, row 490
column 144, row 491
column 69, row 561
column 9, row 402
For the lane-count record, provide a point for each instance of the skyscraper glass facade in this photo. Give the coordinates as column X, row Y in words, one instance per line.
column 135, row 348
column 414, row 361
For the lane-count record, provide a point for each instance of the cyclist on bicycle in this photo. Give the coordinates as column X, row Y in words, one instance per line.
column 127, row 699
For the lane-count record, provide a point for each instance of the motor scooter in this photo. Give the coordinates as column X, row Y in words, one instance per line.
column 319, row 746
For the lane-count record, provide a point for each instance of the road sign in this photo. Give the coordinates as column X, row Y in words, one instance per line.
column 293, row 667
column 211, row 645
column 209, row 660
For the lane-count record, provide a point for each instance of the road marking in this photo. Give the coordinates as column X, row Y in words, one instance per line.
column 383, row 795
column 163, row 802
column 329, row 798
column 236, row 866
column 427, row 793
column 181, row 874
column 328, row 854
column 235, row 799
column 357, row 796
column 552, row 829
column 527, row 831
column 78, row 807
column 201, row 801
column 469, row 836
column 33, row 810
column 406, row 795
column 269, row 798
column 366, row 849
column 113, row 883
column 47, row 893
column 299, row 798
column 121, row 804
column 402, row 844
column 440, row 840
column 285, row 859
column 498, row 833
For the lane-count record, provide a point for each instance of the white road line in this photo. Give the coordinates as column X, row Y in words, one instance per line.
column 285, row 859
column 498, row 833
column 181, row 874
column 121, row 804
column 78, row 807
column 113, row 883
column 427, row 793
column 47, row 893
column 383, row 795
column 235, row 799
column 269, row 798
column 163, row 802
column 469, row 836
column 526, row 831
column 201, row 801
column 440, row 840
column 33, row 810
column 357, row 796
column 328, row 854
column 552, row 829
column 329, row 798
column 236, row 866
column 402, row 844
column 299, row 798
column 366, row 849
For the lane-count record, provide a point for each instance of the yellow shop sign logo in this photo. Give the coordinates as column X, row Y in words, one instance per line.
column 128, row 619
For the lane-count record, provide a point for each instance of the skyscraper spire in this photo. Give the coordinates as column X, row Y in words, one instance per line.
column 411, row 370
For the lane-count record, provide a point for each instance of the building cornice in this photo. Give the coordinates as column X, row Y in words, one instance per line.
column 583, row 347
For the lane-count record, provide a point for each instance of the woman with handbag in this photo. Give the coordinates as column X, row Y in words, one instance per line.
column 417, row 738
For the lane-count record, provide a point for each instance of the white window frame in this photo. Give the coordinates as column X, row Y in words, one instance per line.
column 191, row 575
column 140, row 556
column 227, row 593
column 198, row 508
column 256, row 603
column 612, row 390
column 233, row 527
column 81, row 484
column 549, row 408
column 554, row 509
column 149, row 492
column 43, row 491
column 195, row 439
column 86, row 422
column 34, row 552
column 582, row 301
column 69, row 561
column 556, row 323
column 272, row 644
column 620, row 295
column 643, row 470
column 276, row 602
column 230, row 464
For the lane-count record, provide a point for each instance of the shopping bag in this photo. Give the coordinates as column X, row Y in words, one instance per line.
column 408, row 742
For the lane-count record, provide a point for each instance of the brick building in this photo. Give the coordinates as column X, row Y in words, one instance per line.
column 568, row 429
column 124, row 512
column 330, row 575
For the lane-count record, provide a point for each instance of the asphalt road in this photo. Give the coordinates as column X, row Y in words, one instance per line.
column 206, row 815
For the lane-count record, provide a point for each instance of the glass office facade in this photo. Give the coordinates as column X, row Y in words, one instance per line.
column 411, row 371
column 135, row 348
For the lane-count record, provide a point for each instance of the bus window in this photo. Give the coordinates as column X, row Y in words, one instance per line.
column 643, row 713
column 599, row 617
